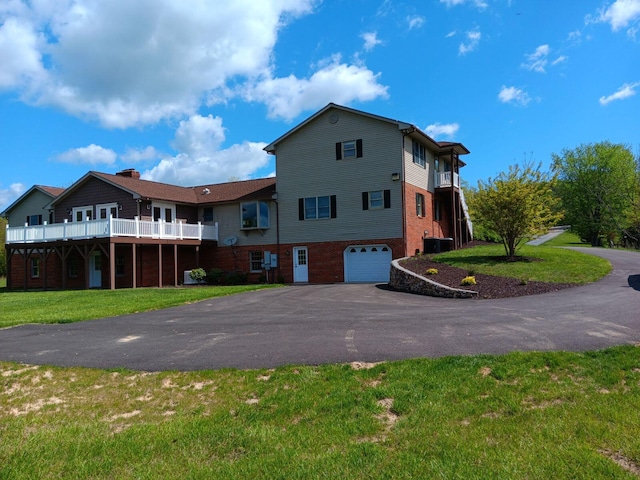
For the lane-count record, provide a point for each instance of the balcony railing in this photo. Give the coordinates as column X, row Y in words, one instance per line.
column 112, row 227
column 443, row 179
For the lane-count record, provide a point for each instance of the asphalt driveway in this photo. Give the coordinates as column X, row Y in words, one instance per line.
column 316, row 324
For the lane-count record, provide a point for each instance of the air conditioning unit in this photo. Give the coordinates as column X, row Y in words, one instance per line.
column 187, row 278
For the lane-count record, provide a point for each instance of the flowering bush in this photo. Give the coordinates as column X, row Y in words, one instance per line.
column 467, row 281
column 432, row 271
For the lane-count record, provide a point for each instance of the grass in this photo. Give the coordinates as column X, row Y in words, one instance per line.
column 76, row 305
column 542, row 263
column 566, row 239
column 522, row 415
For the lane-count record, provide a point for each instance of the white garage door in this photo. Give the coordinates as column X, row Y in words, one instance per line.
column 367, row 263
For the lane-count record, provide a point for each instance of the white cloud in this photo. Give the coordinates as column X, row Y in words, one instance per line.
column 415, row 21
column 436, row 130
column 559, row 60
column 90, row 155
column 9, row 195
column 336, row 82
column 130, row 63
column 473, row 39
column 537, row 61
column 140, row 155
column 625, row 91
column 452, row 3
column 19, row 55
column 514, row 96
column 200, row 159
column 370, row 40
column 620, row 13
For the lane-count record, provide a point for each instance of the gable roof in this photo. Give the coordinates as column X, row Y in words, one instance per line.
column 52, row 192
column 203, row 194
column 405, row 127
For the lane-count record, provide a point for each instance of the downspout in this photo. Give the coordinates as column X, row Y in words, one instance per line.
column 403, row 196
column 453, row 202
column 278, row 236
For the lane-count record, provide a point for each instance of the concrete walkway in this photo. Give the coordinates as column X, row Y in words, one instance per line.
column 553, row 232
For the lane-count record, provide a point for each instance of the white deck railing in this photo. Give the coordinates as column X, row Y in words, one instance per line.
column 112, row 227
column 443, row 179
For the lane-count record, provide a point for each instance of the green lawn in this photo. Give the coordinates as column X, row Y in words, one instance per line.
column 522, row 415
column 18, row 307
column 543, row 263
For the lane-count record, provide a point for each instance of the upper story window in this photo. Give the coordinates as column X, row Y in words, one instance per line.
column 254, row 215
column 107, row 209
column 376, row 199
column 313, row 208
column 34, row 220
column 207, row 214
column 349, row 149
column 419, row 154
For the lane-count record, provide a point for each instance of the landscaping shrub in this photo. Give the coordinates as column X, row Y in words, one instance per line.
column 432, row 271
column 198, row 275
column 468, row 281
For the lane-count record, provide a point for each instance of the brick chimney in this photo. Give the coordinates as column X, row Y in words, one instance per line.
column 129, row 173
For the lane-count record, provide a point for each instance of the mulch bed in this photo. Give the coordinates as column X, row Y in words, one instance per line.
column 487, row 286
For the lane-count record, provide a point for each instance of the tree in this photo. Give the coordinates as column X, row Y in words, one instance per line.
column 597, row 186
column 516, row 205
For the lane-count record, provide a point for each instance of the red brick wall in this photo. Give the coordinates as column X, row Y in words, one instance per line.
column 416, row 226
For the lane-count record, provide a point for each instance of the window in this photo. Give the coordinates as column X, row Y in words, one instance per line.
column 81, row 214
column 419, row 154
column 120, row 265
column 73, row 266
column 349, row 149
column 312, row 208
column 34, row 220
column 207, row 214
column 437, row 215
column 420, row 205
column 255, row 261
column 254, row 215
column 376, row 199
column 107, row 209
column 35, row 268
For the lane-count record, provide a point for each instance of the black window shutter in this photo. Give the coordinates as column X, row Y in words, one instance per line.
column 359, row 148
column 333, row 207
column 387, row 199
column 365, row 200
column 339, row 151
column 301, row 209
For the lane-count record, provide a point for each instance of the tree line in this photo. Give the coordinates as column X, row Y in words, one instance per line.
column 594, row 188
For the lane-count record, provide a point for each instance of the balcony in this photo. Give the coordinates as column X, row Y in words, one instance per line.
column 111, row 227
column 443, row 179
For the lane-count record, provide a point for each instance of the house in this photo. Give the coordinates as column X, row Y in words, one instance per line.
column 356, row 190
column 352, row 191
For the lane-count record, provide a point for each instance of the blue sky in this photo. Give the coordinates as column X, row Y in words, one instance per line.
column 190, row 92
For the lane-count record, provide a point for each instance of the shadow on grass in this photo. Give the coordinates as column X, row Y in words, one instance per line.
column 634, row 282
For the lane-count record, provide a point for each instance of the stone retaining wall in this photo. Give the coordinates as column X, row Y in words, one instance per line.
column 408, row 281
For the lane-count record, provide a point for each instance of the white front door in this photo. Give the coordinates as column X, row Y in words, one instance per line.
column 300, row 264
column 95, row 270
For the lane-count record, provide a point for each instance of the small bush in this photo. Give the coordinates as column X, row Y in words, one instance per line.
column 523, row 282
column 215, row 276
column 468, row 281
column 198, row 275
column 432, row 271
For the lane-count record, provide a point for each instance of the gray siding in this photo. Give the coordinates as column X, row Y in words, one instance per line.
column 414, row 173
column 306, row 166
column 228, row 218
column 33, row 204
